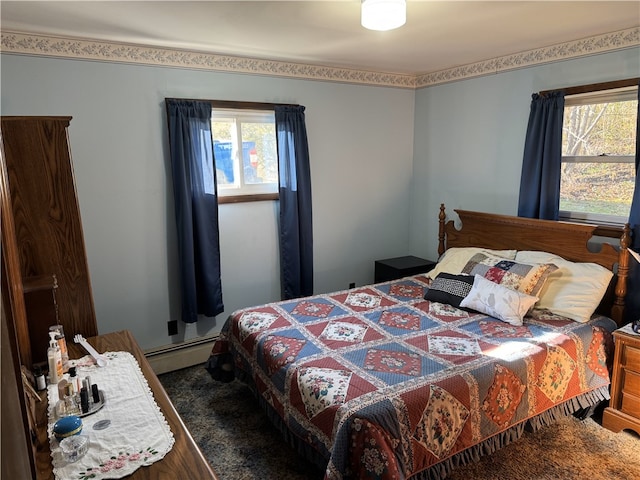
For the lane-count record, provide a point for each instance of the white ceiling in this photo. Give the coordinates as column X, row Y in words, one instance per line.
column 438, row 35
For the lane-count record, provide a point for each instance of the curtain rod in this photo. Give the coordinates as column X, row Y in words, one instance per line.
column 595, row 87
column 238, row 104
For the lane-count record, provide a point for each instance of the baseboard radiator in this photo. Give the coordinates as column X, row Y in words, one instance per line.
column 180, row 355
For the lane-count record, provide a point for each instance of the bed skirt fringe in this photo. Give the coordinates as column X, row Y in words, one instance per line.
column 584, row 401
column 471, row 455
column 468, row 456
column 441, row 470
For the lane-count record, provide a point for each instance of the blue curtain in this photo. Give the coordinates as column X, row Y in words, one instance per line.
column 541, row 165
column 196, row 207
column 296, row 235
column 632, row 301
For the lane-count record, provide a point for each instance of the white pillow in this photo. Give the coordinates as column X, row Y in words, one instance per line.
column 574, row 290
column 454, row 259
column 498, row 301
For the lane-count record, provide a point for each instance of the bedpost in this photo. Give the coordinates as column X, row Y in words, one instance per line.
column 617, row 310
column 441, row 218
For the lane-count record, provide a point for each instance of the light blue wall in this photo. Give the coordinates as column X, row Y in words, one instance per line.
column 469, row 138
column 377, row 185
column 361, row 149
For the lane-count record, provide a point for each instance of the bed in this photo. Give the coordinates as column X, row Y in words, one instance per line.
column 408, row 379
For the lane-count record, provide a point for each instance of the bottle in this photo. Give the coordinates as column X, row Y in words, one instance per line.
column 54, row 358
column 71, row 406
column 62, row 385
column 41, row 382
column 62, row 343
column 75, row 380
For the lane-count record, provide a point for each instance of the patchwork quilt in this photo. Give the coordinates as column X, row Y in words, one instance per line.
column 384, row 384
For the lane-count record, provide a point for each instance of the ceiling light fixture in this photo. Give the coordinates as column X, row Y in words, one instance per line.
column 383, row 14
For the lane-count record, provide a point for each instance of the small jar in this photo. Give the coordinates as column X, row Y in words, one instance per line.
column 41, row 381
column 73, row 448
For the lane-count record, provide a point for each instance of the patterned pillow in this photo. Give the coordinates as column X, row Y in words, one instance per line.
column 523, row 277
column 498, row 301
column 448, row 288
column 455, row 258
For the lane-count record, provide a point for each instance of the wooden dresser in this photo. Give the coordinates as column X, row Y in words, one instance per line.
column 185, row 460
column 623, row 411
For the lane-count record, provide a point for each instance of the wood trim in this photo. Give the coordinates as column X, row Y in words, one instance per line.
column 611, row 231
column 41, row 282
column 595, row 87
column 248, row 198
column 620, row 292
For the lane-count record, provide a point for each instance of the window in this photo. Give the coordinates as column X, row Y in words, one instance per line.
column 598, row 156
column 245, row 154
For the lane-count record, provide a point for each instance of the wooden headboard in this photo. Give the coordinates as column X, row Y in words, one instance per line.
column 569, row 240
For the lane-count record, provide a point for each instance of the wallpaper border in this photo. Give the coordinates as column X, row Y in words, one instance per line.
column 86, row 49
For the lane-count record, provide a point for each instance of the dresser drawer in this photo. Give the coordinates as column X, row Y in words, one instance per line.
column 631, row 358
column 631, row 382
column 630, row 404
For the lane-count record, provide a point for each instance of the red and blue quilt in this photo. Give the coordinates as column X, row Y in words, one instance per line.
column 384, row 384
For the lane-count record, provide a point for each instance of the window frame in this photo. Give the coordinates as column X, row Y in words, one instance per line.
column 235, row 105
column 622, row 90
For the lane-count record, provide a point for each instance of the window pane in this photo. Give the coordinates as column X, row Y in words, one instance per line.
column 259, row 153
column 224, row 150
column 602, row 188
column 600, row 128
column 245, row 151
column 598, row 146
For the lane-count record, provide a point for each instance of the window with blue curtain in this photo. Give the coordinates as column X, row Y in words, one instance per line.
column 296, row 226
column 541, row 170
column 196, row 207
column 195, row 185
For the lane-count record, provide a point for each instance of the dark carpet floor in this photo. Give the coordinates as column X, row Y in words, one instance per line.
column 241, row 444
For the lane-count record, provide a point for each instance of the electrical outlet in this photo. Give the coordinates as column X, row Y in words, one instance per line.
column 172, row 327
column 352, row 285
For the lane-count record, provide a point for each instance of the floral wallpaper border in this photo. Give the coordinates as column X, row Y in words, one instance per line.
column 85, row 49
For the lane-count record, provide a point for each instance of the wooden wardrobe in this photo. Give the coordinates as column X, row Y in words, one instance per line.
column 45, row 275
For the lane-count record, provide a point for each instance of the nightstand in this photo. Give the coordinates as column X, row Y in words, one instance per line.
column 398, row 267
column 623, row 411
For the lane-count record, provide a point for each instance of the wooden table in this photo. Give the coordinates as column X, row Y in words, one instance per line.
column 185, row 460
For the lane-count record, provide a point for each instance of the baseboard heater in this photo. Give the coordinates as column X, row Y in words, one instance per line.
column 180, row 355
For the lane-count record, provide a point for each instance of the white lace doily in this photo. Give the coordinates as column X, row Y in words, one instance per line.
column 137, row 435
